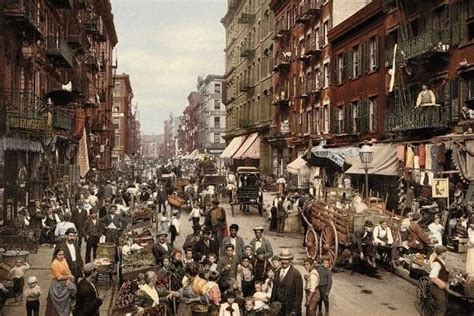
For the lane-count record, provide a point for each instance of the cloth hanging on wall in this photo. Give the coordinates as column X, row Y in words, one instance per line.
column 422, row 155
column 428, row 163
column 409, row 157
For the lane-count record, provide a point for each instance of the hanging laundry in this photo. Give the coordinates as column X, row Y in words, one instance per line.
column 422, row 154
column 434, row 158
column 442, row 154
column 416, row 168
column 401, row 152
column 409, row 158
column 428, row 156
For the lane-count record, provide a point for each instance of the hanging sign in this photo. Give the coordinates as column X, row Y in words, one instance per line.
column 440, row 188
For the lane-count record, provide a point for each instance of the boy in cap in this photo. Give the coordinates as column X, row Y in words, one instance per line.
column 88, row 301
column 32, row 294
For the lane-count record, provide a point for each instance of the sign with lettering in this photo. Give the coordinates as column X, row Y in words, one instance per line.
column 26, row 123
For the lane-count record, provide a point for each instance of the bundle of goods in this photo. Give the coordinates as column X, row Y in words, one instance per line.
column 175, row 201
column 126, row 294
column 136, row 260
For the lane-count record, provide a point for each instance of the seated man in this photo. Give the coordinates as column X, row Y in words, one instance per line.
column 363, row 243
column 383, row 239
column 418, row 241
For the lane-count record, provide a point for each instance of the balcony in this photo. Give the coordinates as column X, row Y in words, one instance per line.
column 62, row 120
column 246, row 18
column 312, row 47
column 405, row 119
column 91, row 23
column 281, row 30
column 27, row 14
column 78, row 42
column 59, row 52
column 430, row 44
column 247, row 50
column 92, row 61
column 246, row 84
column 101, row 34
column 312, row 7
column 280, row 98
column 24, row 111
column 282, row 62
column 62, row 4
column 302, row 17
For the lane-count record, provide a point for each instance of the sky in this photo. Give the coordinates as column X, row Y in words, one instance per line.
column 164, row 45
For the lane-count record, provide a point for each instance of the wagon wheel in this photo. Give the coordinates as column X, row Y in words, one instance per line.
column 424, row 301
column 329, row 244
column 312, row 243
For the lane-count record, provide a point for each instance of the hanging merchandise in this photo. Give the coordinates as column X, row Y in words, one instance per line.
column 410, row 156
column 442, row 154
column 422, row 155
column 428, row 163
column 416, row 169
column 401, row 152
column 434, row 158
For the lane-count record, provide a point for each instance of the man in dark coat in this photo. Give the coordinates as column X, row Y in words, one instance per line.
column 79, row 218
column 114, row 224
column 93, row 232
column 72, row 253
column 193, row 238
column 162, row 248
column 161, row 198
column 288, row 286
column 88, row 301
column 104, row 210
column 235, row 240
column 205, row 246
column 363, row 243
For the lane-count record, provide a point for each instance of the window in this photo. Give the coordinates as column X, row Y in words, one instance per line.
column 116, row 126
column 117, row 141
column 340, row 68
column 325, row 30
column 339, row 120
column 316, row 36
column 373, row 54
column 217, row 88
column 325, row 119
column 217, row 122
column 217, row 138
column 309, row 122
column 217, row 105
column 354, row 117
column 372, row 114
column 316, row 121
column 356, row 62
column 326, row 75
column 470, row 89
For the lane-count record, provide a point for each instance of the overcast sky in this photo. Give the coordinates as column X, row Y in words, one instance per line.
column 165, row 45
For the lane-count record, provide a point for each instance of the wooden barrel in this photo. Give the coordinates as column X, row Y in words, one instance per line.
column 106, row 250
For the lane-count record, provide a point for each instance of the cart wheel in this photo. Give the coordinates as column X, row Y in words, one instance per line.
column 312, row 243
column 424, row 302
column 329, row 244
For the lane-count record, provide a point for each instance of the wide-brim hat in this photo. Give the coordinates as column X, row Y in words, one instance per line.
column 285, row 254
column 260, row 228
column 162, row 233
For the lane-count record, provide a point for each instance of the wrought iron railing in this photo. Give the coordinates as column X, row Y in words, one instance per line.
column 403, row 118
column 59, row 51
column 22, row 103
column 27, row 11
column 427, row 42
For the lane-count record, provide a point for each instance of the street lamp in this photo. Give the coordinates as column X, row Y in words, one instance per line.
column 366, row 156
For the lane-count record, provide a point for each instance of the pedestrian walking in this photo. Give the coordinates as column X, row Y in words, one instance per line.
column 325, row 284
column 261, row 242
column 282, row 213
column 216, row 221
column 311, row 283
column 79, row 218
column 93, row 232
column 72, row 253
column 32, row 295
column 161, row 198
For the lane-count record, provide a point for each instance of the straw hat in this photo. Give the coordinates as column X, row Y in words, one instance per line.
column 285, row 254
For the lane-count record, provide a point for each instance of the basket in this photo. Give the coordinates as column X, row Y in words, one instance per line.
column 175, row 201
column 106, row 250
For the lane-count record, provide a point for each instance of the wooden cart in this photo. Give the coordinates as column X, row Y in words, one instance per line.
column 333, row 219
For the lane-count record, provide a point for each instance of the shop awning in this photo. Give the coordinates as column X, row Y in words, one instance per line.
column 20, row 144
column 337, row 155
column 233, row 146
column 250, row 148
column 298, row 166
column 385, row 162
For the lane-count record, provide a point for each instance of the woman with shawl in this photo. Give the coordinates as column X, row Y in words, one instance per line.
column 193, row 298
column 62, row 290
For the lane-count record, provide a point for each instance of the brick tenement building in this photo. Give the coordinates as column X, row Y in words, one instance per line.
column 248, row 75
column 191, row 122
column 122, row 117
column 55, row 73
column 358, row 86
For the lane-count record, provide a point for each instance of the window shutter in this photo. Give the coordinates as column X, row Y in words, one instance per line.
column 347, row 119
column 376, row 52
column 362, row 112
column 365, row 57
column 454, row 99
column 376, row 120
column 455, row 21
column 349, row 72
column 333, row 123
column 330, row 71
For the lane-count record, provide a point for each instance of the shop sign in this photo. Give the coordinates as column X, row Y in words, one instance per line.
column 26, row 123
column 440, row 188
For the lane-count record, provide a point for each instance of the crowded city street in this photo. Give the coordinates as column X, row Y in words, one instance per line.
column 236, row 157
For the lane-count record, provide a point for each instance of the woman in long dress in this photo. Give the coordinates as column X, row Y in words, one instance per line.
column 62, row 289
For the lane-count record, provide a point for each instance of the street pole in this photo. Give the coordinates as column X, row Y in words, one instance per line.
column 366, row 180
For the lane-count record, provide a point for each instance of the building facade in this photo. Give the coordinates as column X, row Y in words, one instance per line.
column 191, row 122
column 212, row 120
column 122, row 117
column 248, row 75
column 55, row 79
column 150, row 146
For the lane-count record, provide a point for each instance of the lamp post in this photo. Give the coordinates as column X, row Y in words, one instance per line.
column 366, row 156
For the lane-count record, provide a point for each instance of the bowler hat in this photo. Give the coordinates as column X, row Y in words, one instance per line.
column 161, row 233
column 260, row 228
column 285, row 254
column 368, row 223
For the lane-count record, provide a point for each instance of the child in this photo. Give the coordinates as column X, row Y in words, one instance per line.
column 188, row 256
column 195, row 214
column 32, row 294
column 248, row 253
column 213, row 259
column 249, row 307
column 261, row 296
column 18, row 274
column 325, row 283
column 270, row 279
column 174, row 226
column 311, row 281
column 276, row 263
column 230, row 308
column 245, row 277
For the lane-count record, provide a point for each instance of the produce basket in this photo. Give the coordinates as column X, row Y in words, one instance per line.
column 175, row 201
